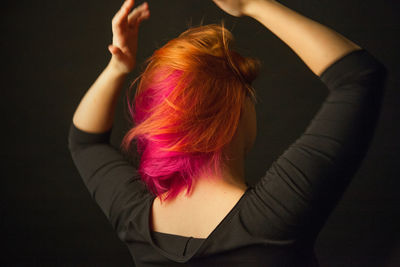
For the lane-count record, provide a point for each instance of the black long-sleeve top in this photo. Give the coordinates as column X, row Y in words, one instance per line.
column 276, row 221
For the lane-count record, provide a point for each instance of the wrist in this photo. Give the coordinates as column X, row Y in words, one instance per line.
column 117, row 69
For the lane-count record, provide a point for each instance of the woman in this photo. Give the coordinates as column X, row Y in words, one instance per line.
column 188, row 202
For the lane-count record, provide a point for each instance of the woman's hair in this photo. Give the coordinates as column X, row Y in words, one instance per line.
column 187, row 107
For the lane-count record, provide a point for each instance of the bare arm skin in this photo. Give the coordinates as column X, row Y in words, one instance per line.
column 317, row 45
column 95, row 113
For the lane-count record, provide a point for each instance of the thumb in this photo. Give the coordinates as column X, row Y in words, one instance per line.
column 115, row 51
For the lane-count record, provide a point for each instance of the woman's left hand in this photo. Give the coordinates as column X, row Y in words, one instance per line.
column 125, row 26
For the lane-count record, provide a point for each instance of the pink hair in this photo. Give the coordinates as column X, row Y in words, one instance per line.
column 187, row 108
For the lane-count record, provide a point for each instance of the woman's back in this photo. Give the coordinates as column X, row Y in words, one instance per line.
column 276, row 221
column 195, row 216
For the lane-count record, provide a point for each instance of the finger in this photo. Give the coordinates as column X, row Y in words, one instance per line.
column 136, row 13
column 132, row 17
column 123, row 12
column 143, row 16
column 135, row 22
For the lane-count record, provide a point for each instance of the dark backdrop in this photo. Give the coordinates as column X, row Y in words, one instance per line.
column 53, row 50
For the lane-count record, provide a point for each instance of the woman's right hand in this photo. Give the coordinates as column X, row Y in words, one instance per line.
column 234, row 7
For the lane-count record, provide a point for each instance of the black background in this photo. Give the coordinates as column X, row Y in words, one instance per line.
column 53, row 50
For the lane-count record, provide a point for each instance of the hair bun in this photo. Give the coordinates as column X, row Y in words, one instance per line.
column 247, row 67
column 187, row 108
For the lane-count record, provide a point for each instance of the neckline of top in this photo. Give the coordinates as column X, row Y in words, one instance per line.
column 205, row 240
column 173, row 235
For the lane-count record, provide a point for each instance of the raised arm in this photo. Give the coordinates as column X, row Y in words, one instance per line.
column 303, row 185
column 112, row 181
column 95, row 113
column 317, row 45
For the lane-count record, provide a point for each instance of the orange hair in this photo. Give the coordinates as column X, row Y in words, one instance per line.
column 187, row 107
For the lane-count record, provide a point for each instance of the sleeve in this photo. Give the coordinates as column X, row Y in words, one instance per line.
column 113, row 183
column 301, row 188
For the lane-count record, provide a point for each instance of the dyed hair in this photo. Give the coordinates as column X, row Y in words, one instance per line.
column 187, row 107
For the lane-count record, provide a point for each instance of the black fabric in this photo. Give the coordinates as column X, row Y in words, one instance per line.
column 275, row 223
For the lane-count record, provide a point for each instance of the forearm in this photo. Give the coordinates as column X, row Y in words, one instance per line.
column 317, row 45
column 95, row 112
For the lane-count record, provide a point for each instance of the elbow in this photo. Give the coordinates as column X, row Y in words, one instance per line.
column 72, row 142
column 380, row 70
column 78, row 139
column 383, row 73
column 71, row 145
column 377, row 79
